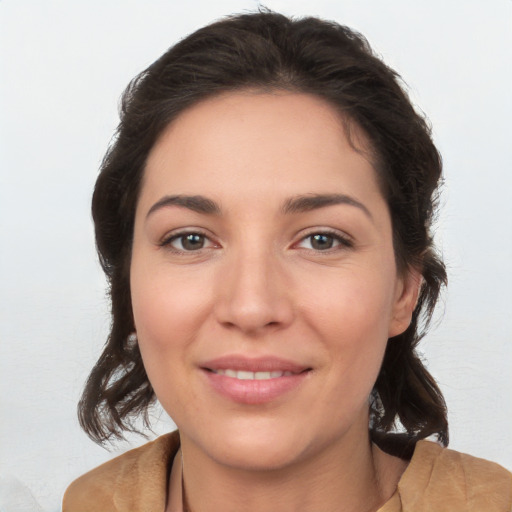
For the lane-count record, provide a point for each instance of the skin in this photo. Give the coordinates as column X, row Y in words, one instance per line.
column 259, row 286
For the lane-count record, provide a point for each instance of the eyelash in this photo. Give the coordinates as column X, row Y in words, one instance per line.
column 340, row 241
column 167, row 241
column 343, row 241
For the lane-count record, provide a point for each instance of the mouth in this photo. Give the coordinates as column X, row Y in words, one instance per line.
column 245, row 375
column 254, row 381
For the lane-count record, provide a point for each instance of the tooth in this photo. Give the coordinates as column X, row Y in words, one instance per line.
column 262, row 375
column 245, row 375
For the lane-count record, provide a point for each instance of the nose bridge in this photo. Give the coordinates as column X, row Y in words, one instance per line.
column 253, row 289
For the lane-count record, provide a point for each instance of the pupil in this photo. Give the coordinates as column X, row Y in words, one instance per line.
column 192, row 242
column 321, row 242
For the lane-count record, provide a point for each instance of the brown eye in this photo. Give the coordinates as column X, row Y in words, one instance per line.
column 321, row 242
column 188, row 242
column 325, row 241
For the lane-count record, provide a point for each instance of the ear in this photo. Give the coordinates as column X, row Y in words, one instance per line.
column 406, row 297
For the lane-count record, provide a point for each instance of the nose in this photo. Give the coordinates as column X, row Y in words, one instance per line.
column 253, row 295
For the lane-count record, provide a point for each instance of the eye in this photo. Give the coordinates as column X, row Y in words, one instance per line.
column 324, row 241
column 187, row 242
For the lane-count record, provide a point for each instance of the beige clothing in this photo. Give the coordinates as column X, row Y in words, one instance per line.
column 436, row 480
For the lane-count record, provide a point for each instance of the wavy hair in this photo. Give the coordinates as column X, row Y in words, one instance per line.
column 268, row 51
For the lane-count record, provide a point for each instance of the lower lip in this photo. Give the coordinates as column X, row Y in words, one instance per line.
column 254, row 391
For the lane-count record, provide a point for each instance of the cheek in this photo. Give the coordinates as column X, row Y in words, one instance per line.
column 166, row 315
column 351, row 316
column 165, row 309
column 165, row 320
column 356, row 303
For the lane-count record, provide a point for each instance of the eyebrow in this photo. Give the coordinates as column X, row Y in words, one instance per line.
column 199, row 204
column 315, row 201
column 298, row 204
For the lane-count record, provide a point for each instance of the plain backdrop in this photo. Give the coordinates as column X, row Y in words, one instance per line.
column 63, row 67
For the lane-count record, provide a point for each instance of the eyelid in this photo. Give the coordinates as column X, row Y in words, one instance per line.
column 166, row 240
column 345, row 240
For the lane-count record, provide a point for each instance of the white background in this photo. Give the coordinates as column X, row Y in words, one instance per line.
column 63, row 67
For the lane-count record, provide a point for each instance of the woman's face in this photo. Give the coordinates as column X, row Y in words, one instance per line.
column 263, row 278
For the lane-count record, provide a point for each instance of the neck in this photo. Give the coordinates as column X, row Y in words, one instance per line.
column 351, row 475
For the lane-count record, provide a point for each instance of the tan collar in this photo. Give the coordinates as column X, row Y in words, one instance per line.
column 436, row 479
column 175, row 503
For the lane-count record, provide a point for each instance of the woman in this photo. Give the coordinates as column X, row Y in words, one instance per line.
column 263, row 218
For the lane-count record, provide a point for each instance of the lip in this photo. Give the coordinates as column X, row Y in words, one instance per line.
column 253, row 392
column 254, row 364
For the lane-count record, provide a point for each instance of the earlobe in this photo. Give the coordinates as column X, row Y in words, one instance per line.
column 406, row 299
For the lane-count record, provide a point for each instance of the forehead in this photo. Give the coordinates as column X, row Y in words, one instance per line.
column 270, row 143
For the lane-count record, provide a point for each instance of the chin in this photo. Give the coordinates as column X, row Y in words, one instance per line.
column 251, row 456
column 256, row 446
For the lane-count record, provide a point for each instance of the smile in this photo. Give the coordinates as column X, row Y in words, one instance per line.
column 253, row 381
column 246, row 375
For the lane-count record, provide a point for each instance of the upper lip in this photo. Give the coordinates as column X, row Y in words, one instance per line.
column 254, row 364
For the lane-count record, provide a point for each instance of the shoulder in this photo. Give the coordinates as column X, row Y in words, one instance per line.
column 446, row 480
column 136, row 480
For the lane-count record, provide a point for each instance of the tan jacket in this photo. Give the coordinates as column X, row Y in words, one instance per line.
column 436, row 480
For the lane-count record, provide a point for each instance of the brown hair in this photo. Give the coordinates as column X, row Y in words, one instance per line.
column 269, row 51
